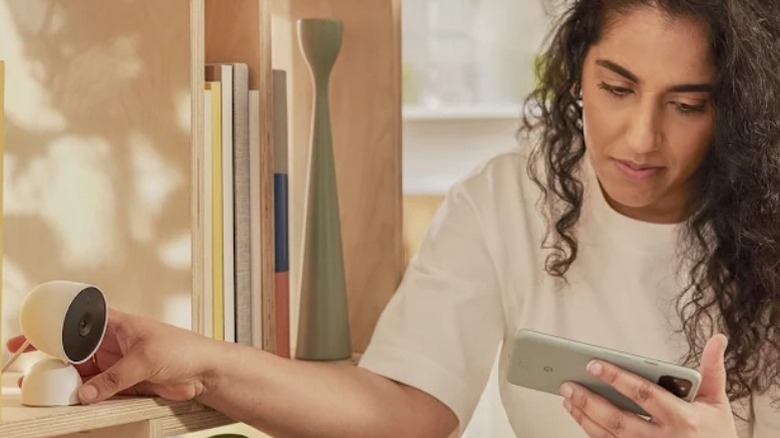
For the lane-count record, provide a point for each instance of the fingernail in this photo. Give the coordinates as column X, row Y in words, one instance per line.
column 595, row 367
column 88, row 393
column 566, row 391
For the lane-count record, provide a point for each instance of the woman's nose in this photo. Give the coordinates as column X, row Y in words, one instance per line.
column 644, row 132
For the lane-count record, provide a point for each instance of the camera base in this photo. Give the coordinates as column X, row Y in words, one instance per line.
column 51, row 382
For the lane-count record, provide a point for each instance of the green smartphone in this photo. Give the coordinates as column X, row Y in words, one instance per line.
column 544, row 362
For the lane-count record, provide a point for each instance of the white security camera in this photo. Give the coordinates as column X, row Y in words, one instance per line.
column 65, row 320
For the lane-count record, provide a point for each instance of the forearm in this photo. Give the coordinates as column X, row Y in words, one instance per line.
column 295, row 398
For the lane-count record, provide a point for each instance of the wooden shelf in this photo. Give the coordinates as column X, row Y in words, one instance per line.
column 137, row 417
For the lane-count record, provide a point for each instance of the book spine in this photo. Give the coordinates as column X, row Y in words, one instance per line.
column 281, row 209
column 242, row 219
column 218, row 291
column 282, row 265
column 228, row 230
column 256, row 214
column 207, row 295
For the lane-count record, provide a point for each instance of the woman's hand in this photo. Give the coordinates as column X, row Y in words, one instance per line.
column 708, row 416
column 142, row 356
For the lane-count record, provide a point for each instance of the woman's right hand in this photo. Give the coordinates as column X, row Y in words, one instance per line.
column 142, row 356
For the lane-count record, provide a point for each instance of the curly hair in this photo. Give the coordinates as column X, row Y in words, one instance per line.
column 732, row 239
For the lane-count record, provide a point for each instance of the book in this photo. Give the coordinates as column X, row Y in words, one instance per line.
column 281, row 212
column 207, row 198
column 218, row 306
column 256, row 212
column 223, row 73
column 241, row 205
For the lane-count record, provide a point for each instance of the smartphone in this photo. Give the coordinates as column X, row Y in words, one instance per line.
column 544, row 362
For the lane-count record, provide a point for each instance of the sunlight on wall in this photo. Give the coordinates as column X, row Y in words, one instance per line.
column 30, row 101
column 71, row 193
column 154, row 182
column 97, row 180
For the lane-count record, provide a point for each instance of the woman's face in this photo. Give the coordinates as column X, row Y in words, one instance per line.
column 647, row 112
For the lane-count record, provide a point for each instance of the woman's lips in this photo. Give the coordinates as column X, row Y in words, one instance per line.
column 636, row 171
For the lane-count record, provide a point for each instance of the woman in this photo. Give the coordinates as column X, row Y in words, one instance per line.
column 658, row 159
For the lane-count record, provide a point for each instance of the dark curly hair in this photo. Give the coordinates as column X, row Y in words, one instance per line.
column 732, row 239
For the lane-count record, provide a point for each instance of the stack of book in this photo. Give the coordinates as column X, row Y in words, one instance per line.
column 234, row 307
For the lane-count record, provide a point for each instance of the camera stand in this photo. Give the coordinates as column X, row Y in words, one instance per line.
column 51, row 382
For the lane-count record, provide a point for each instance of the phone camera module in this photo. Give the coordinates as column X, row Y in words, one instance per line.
column 679, row 387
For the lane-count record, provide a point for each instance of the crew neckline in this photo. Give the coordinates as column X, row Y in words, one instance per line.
column 644, row 236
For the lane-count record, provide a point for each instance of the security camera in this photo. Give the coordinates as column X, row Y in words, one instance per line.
column 67, row 321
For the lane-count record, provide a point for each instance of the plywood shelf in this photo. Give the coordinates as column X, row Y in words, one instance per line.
column 160, row 417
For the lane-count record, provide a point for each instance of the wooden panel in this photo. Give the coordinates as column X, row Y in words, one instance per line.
column 24, row 422
column 240, row 31
column 196, row 421
column 2, row 149
column 99, row 141
column 143, row 429
column 233, row 34
column 366, row 113
column 197, row 128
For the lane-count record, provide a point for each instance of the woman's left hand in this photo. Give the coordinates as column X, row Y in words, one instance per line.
column 709, row 415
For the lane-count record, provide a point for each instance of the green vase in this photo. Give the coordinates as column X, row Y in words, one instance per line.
column 323, row 324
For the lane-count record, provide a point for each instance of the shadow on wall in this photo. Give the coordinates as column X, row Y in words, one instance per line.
column 97, row 161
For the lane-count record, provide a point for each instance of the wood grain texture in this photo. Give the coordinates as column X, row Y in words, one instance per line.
column 99, row 151
column 198, row 208
column 132, row 414
column 2, row 153
column 366, row 116
column 240, row 30
column 193, row 422
column 143, row 429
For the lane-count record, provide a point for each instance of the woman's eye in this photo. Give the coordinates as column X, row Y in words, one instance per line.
column 689, row 109
column 615, row 91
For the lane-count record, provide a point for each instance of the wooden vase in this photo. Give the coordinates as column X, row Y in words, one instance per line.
column 323, row 324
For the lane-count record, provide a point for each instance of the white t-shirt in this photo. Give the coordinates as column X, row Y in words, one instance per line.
column 479, row 276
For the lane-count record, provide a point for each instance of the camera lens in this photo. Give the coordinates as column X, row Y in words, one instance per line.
column 84, row 322
column 677, row 386
column 85, row 325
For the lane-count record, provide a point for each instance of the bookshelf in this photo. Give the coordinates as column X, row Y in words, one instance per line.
column 104, row 110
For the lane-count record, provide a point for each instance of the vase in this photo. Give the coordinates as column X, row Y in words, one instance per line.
column 323, row 321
